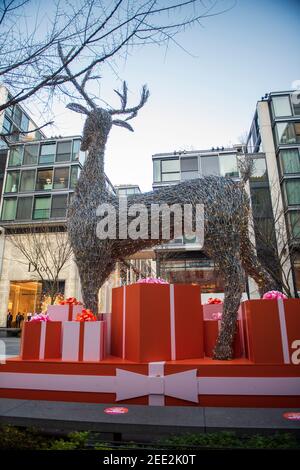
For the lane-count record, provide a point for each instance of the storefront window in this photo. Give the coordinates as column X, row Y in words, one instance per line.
column 210, row 166
column 192, row 271
column 290, row 161
column 30, row 154
column 61, row 178
column 27, row 180
column 59, row 206
column 9, row 209
column 47, row 153
column 228, row 165
column 42, row 207
column 293, row 192
column 15, row 156
column 44, row 180
column 12, row 181
column 281, row 106
column 24, row 208
column 63, row 151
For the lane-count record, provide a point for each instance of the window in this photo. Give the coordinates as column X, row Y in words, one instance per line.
column 261, row 203
column 294, row 222
column 12, row 181
column 9, row 208
column 156, row 171
column 228, row 165
column 296, row 103
column 210, row 165
column 61, row 178
column 293, row 192
column 6, row 125
column 42, row 207
column 63, row 151
column 59, row 206
column 77, row 154
column 24, row 208
column 47, row 153
column 281, row 106
column 75, row 172
column 287, row 133
column 24, row 122
column 189, row 168
column 27, row 180
column 259, row 170
column 15, row 156
column 17, row 116
column 289, row 161
column 30, row 154
column 44, row 180
column 170, row 170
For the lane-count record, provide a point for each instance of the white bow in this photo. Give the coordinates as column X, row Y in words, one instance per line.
column 182, row 385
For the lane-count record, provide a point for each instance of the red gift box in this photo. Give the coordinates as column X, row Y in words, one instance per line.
column 211, row 332
column 41, row 340
column 84, row 341
column 157, row 322
column 272, row 330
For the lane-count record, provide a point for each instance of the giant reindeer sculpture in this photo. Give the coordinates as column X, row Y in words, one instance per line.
column 226, row 210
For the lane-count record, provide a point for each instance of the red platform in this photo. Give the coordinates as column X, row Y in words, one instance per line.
column 269, row 375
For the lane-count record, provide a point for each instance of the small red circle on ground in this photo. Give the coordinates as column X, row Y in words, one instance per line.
column 116, row 410
column 292, row 415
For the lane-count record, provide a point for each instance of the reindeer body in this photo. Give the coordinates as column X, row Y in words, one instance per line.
column 226, row 211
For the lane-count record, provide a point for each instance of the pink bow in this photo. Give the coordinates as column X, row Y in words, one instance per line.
column 274, row 294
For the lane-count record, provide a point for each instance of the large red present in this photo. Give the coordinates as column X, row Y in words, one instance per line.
column 84, row 341
column 272, row 330
column 157, row 322
column 41, row 340
column 211, row 332
column 66, row 312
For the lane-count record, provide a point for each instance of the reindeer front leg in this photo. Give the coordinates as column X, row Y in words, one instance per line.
column 89, row 284
column 234, row 285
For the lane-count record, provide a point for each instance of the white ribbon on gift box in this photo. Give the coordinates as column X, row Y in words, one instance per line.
column 126, row 385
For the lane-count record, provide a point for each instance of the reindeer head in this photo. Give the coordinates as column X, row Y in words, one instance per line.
column 99, row 120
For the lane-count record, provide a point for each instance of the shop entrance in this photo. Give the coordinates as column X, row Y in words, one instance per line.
column 27, row 296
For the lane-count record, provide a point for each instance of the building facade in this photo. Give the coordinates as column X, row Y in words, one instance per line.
column 40, row 178
column 275, row 130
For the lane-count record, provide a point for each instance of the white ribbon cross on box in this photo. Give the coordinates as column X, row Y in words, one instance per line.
column 182, row 385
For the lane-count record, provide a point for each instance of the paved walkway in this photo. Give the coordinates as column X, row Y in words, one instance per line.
column 143, row 422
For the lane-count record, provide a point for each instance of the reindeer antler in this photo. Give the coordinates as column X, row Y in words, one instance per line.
column 79, row 86
column 123, row 96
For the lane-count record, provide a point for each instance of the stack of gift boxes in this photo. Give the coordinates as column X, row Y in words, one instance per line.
column 168, row 323
column 67, row 332
column 163, row 322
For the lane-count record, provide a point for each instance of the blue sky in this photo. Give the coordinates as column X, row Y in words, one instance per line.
column 205, row 98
